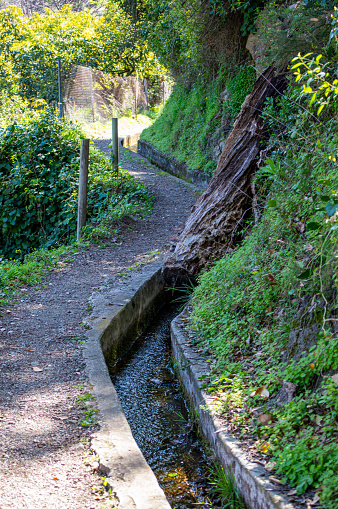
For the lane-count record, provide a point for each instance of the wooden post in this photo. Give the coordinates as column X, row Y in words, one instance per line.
column 83, row 184
column 146, row 92
column 60, row 88
column 136, row 94
column 115, row 145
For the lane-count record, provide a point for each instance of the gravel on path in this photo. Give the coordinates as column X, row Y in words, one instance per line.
column 45, row 457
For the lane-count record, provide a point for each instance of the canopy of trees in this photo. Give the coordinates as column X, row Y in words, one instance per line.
column 194, row 37
column 30, row 46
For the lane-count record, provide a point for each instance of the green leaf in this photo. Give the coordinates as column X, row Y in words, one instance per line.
column 320, row 109
column 306, row 274
column 272, row 203
column 313, row 225
column 312, row 101
column 331, row 208
column 297, row 65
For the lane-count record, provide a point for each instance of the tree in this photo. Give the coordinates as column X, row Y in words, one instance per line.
column 194, row 37
column 212, row 227
column 30, row 46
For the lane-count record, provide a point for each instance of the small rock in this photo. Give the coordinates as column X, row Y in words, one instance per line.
column 286, row 393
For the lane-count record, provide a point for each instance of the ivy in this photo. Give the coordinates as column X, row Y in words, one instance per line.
column 39, row 169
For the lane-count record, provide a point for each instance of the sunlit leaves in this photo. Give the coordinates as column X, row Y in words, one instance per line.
column 323, row 88
column 29, row 47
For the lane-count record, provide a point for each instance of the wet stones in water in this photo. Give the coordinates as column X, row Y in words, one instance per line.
column 157, row 414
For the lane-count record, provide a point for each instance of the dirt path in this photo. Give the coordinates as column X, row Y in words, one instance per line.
column 43, row 448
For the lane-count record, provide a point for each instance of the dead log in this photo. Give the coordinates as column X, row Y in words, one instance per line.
column 211, row 229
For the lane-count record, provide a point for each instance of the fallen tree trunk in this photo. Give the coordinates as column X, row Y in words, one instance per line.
column 210, row 230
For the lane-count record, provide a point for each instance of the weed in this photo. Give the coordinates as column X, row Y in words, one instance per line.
column 224, row 486
column 15, row 274
column 89, row 418
column 185, row 291
column 84, row 398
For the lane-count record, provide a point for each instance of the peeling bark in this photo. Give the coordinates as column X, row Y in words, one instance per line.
column 211, row 229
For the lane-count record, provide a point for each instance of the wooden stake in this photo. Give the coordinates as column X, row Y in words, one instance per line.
column 83, row 185
column 136, row 94
column 146, row 92
column 115, row 145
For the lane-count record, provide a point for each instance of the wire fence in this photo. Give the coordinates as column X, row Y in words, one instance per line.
column 90, row 96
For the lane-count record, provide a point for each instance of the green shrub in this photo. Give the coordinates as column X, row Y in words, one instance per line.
column 39, row 168
column 14, row 108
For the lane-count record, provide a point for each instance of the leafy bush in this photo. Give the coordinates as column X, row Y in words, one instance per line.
column 39, row 167
column 14, row 108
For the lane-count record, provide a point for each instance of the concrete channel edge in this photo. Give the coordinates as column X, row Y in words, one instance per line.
column 169, row 164
column 252, row 478
column 120, row 311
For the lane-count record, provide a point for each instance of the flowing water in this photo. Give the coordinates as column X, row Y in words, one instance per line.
column 157, row 414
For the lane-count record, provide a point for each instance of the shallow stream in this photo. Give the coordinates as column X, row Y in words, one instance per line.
column 158, row 416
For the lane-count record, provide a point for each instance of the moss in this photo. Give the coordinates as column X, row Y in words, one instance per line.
column 191, row 116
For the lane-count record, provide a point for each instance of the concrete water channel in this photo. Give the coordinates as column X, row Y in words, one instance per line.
column 158, row 415
column 145, row 428
column 145, row 425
